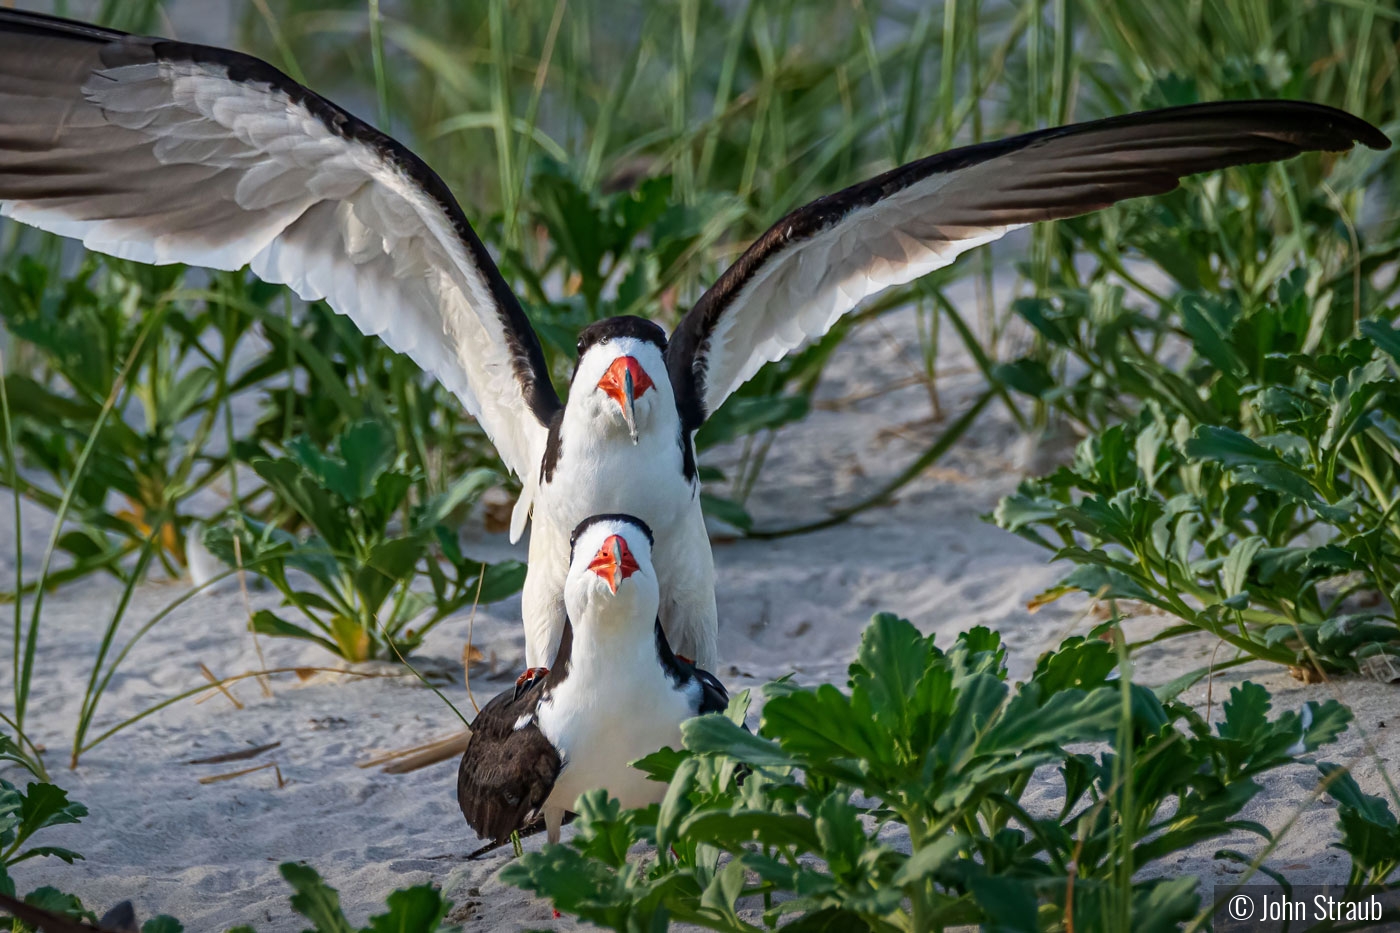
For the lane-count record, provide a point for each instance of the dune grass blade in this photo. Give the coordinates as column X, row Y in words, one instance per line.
column 12, row 458
column 31, row 638
column 202, row 688
column 381, row 81
column 937, row 449
column 101, row 678
column 92, row 694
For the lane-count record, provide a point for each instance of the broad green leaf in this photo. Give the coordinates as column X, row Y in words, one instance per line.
column 1278, row 479
column 723, row 890
column 387, row 565
column 367, row 449
column 1322, row 723
column 1235, row 572
column 1231, row 448
column 819, row 723
column 603, row 830
column 1010, row 903
column 163, row 923
column 573, row 882
column 419, row 909
column 1104, row 582
column 889, row 665
column 464, row 489
column 59, row 902
column 676, row 804
column 1350, row 398
column 1246, row 712
column 298, row 488
column 1027, row 375
column 1208, row 321
column 743, row 415
column 977, row 703
column 715, row 732
column 726, row 510
column 1163, row 905
column 841, row 837
column 353, row 641
column 58, row 852
column 186, row 393
column 929, row 859
column 502, row 580
column 46, row 805
column 314, row 899
column 1078, row 663
column 729, row 829
column 1342, row 787
column 266, row 622
column 1383, row 335
column 1064, row 717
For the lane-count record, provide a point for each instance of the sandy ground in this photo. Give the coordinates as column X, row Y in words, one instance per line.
column 208, row 853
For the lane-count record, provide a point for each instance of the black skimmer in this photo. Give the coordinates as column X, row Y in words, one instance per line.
column 164, row 151
column 615, row 692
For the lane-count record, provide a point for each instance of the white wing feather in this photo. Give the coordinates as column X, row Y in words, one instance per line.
column 223, row 174
column 800, row 293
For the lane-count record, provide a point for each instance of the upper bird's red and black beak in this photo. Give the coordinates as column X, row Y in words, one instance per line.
column 614, row 562
column 625, row 382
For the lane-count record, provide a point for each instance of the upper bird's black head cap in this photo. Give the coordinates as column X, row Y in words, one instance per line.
column 624, row 325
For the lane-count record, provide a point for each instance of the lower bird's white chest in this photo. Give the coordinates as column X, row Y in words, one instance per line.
column 606, row 715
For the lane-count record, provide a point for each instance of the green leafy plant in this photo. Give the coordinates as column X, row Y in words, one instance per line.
column 419, row 909
column 1369, row 831
column 1259, row 503
column 940, row 747
column 23, row 814
column 121, row 400
column 366, row 549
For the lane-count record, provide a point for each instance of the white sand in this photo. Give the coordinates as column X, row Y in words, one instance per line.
column 208, row 853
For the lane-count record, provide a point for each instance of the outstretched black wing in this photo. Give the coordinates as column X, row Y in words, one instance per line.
column 821, row 260
column 163, row 151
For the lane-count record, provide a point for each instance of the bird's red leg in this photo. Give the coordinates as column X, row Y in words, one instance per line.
column 527, row 680
column 531, row 674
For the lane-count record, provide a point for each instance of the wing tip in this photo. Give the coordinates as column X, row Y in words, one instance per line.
column 1342, row 128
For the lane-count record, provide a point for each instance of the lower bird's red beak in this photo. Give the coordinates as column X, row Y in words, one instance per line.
column 613, row 562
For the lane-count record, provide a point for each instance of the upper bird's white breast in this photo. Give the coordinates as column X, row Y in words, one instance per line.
column 597, row 475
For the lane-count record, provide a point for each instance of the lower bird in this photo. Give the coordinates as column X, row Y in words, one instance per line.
column 615, row 693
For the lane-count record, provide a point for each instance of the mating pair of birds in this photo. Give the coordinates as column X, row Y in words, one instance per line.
column 164, row 151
